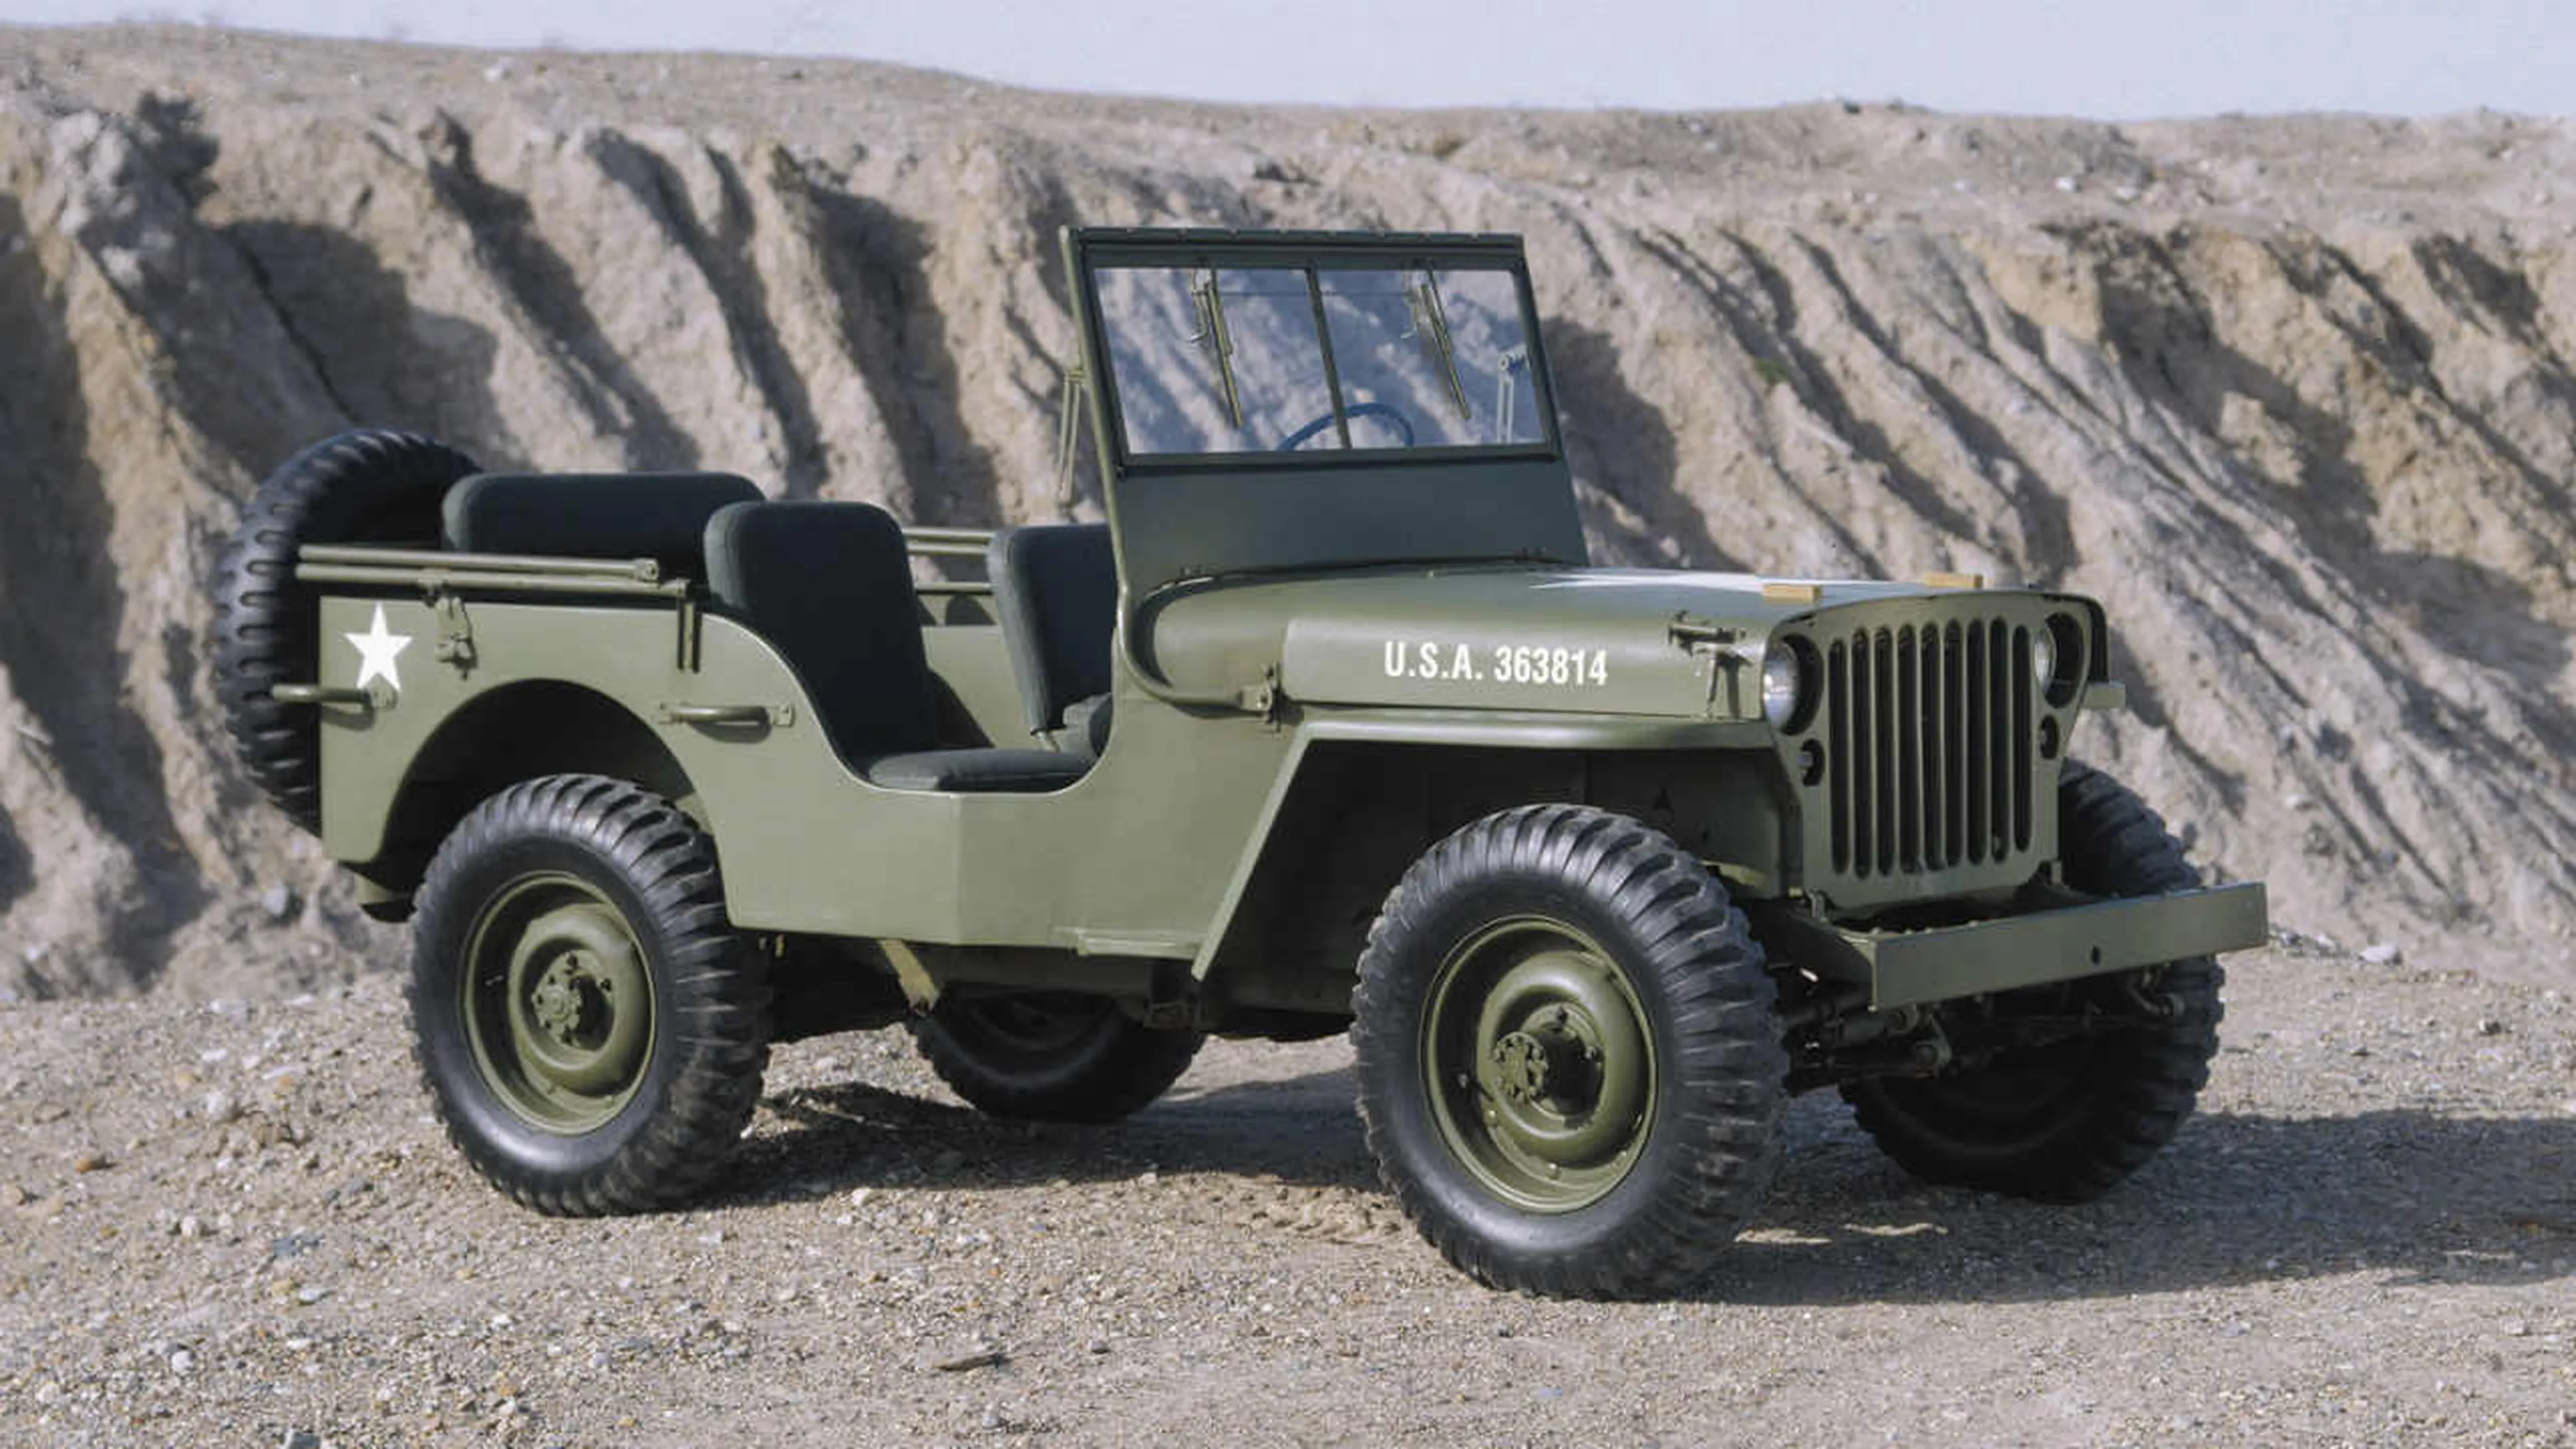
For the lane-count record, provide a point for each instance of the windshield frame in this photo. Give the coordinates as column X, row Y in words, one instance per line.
column 1314, row 254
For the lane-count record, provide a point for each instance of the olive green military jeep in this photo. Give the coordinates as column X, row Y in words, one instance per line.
column 1330, row 726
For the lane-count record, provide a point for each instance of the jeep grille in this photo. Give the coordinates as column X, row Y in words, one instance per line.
column 1929, row 736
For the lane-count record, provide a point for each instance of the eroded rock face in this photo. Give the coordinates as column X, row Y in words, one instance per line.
column 2293, row 397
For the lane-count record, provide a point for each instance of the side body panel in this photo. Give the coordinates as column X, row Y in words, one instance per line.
column 1132, row 860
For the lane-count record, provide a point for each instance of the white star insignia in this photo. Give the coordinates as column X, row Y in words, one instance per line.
column 378, row 648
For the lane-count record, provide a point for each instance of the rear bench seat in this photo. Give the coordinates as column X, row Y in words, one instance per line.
column 828, row 584
column 660, row 516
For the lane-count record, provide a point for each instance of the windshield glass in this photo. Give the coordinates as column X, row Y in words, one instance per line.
column 1438, row 355
column 1212, row 360
column 1232, row 361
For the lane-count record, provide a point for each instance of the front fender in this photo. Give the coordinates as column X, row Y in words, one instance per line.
column 1553, row 745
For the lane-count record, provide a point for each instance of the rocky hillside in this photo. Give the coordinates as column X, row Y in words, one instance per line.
column 2293, row 397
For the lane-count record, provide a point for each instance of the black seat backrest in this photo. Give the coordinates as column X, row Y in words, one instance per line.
column 1055, row 587
column 830, row 586
column 660, row 516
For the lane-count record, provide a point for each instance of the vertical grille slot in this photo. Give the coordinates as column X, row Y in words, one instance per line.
column 1838, row 750
column 1909, row 753
column 1929, row 742
column 1882, row 742
column 2021, row 740
column 1864, row 764
column 1998, row 754
column 1978, row 764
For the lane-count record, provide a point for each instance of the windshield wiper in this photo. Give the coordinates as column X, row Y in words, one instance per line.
column 1431, row 324
column 1218, row 343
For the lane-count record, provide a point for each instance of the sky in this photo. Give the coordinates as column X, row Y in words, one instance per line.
column 2130, row 60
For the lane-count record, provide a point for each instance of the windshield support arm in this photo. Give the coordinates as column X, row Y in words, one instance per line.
column 1068, row 432
column 1506, row 370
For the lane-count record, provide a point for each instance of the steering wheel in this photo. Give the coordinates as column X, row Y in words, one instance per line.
column 1402, row 424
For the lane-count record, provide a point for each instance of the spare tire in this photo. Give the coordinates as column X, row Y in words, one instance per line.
column 360, row 487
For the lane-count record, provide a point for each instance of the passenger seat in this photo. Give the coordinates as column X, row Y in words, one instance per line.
column 1055, row 587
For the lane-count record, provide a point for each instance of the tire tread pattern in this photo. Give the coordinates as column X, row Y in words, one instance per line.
column 1725, row 1078
column 717, row 1027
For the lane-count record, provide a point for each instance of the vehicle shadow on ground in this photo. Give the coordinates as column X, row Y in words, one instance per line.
column 815, row 1141
column 2413, row 1196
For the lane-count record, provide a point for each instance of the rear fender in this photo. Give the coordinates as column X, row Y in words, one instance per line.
column 498, row 738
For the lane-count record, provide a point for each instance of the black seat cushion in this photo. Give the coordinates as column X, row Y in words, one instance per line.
column 660, row 516
column 1055, row 588
column 1013, row 771
column 830, row 586
column 1086, row 725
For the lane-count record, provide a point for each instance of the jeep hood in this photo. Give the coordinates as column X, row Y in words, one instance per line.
column 1593, row 641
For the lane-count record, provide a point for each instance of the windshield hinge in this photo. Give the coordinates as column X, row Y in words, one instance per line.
column 1262, row 696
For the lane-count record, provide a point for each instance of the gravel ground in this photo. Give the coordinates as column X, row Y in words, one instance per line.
column 236, row 1224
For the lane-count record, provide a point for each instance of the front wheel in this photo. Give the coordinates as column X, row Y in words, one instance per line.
column 2067, row 1121
column 1570, row 1066
column 590, row 1028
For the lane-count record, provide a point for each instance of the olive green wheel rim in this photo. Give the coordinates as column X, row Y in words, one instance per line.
column 557, row 1003
column 1539, row 1065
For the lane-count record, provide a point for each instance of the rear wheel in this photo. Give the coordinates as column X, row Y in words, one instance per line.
column 591, row 1030
column 1051, row 1056
column 1570, row 1065
column 2066, row 1122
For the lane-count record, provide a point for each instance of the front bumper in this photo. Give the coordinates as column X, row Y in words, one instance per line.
column 1912, row 968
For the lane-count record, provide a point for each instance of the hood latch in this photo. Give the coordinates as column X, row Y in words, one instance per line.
column 1726, row 651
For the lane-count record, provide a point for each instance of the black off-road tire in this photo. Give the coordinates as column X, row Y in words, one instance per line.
column 1052, row 1056
column 1510, row 922
column 2067, row 1122
column 359, row 487
column 562, row 873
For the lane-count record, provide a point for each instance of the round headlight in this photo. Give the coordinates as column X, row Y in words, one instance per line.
column 1784, row 684
column 2059, row 657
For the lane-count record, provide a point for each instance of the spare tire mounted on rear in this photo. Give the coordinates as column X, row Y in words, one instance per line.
column 368, row 486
